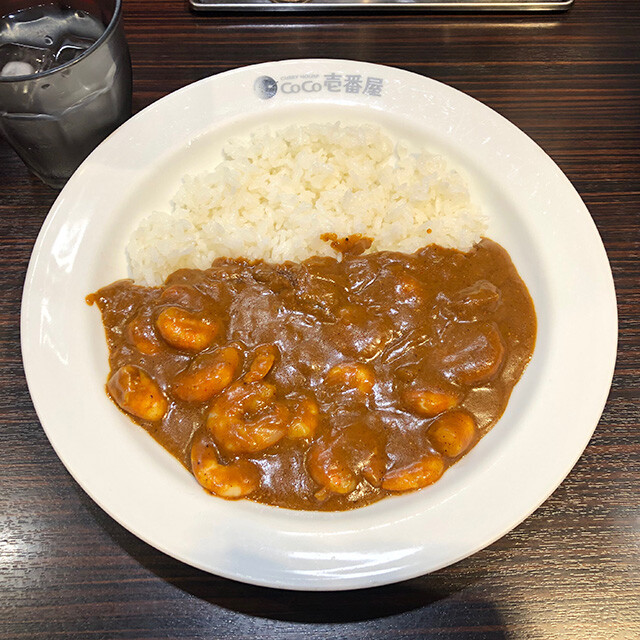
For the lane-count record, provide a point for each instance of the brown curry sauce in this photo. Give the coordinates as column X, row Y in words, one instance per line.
column 361, row 339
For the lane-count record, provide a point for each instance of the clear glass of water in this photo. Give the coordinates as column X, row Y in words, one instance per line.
column 65, row 81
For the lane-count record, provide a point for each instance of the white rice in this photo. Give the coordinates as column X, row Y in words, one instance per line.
column 275, row 192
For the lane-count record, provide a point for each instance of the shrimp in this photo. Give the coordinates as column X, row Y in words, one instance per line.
column 207, row 375
column 338, row 462
column 420, row 473
column 429, row 403
column 474, row 303
column 408, row 288
column 185, row 330
column 234, row 480
column 144, row 341
column 247, row 417
column 352, row 376
column 305, row 419
column 331, row 469
column 263, row 360
column 474, row 352
column 137, row 393
column 183, row 295
column 452, row 433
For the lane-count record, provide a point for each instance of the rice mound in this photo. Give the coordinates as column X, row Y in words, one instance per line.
column 275, row 192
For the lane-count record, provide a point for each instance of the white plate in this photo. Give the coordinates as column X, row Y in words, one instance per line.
column 534, row 212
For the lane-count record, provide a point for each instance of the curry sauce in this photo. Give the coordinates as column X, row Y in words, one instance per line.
column 326, row 384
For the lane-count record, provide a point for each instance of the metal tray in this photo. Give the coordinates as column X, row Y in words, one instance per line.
column 379, row 5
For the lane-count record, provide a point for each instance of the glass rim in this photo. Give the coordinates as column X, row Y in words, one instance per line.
column 117, row 11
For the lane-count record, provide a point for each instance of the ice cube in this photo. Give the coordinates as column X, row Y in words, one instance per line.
column 72, row 47
column 17, row 69
column 36, row 59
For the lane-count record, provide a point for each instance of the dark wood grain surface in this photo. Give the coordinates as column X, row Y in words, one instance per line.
column 571, row 570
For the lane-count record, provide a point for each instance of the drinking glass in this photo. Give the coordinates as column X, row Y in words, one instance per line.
column 65, row 81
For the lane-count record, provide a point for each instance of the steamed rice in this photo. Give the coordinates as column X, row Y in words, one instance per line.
column 275, row 192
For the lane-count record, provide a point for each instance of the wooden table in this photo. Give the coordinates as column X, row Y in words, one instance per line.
column 571, row 570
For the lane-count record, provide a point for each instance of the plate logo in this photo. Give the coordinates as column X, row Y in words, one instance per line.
column 265, row 87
